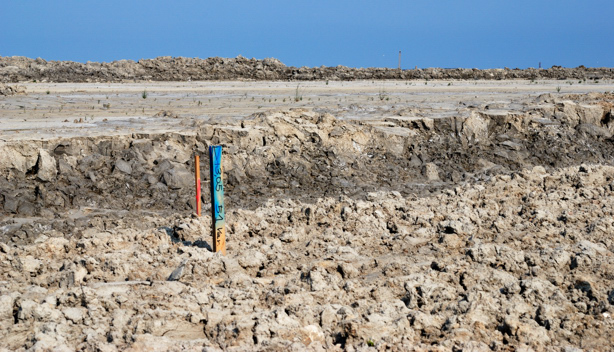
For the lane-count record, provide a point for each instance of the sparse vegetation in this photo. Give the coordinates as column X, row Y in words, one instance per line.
column 383, row 95
column 144, row 94
column 298, row 95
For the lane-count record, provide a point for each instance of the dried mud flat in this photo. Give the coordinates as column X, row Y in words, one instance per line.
column 400, row 227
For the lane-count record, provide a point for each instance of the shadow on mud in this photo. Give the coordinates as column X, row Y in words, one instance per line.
column 292, row 154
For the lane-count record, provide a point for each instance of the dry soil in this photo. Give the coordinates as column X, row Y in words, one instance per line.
column 365, row 215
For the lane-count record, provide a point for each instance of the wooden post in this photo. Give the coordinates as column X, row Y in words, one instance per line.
column 399, row 59
column 218, row 220
column 197, row 174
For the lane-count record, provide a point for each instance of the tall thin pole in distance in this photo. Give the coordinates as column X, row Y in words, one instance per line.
column 399, row 59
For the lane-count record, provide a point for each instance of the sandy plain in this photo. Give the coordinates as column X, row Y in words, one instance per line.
column 50, row 109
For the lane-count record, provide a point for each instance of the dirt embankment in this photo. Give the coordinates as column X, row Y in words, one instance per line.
column 304, row 154
column 7, row 90
column 19, row 69
column 490, row 232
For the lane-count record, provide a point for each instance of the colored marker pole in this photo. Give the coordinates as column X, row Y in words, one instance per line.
column 218, row 220
column 197, row 174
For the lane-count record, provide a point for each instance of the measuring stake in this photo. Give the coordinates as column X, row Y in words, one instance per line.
column 218, row 220
column 197, row 174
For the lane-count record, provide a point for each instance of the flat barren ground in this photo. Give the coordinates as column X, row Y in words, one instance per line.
column 50, row 110
column 364, row 215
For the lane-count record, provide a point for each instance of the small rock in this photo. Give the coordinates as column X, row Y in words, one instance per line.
column 311, row 333
column 428, row 123
column 450, row 240
column 26, row 309
column 30, row 264
column 47, row 169
column 328, row 317
column 431, row 172
column 345, row 213
column 73, row 314
column 452, row 227
column 317, row 281
column 348, row 271
column 288, row 237
column 176, row 274
column 123, row 166
column 178, row 177
column 252, row 259
column 6, row 307
column 422, row 321
column 532, row 333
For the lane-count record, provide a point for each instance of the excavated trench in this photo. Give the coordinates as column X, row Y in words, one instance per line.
column 295, row 154
column 486, row 232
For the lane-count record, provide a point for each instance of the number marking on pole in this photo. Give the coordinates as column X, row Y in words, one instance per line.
column 218, row 220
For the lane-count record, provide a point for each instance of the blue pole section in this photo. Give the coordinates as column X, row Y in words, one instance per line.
column 218, row 219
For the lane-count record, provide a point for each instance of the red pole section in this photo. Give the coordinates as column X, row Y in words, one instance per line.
column 197, row 172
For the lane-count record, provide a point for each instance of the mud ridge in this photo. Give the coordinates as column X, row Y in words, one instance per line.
column 20, row 69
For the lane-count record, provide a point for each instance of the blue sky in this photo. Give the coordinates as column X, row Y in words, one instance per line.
column 430, row 33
